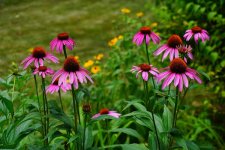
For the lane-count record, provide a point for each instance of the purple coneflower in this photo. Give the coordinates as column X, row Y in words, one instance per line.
column 106, row 111
column 185, row 51
column 145, row 69
column 73, row 72
column 145, row 32
column 198, row 33
column 43, row 71
column 61, row 40
column 54, row 87
column 38, row 56
column 170, row 48
column 178, row 71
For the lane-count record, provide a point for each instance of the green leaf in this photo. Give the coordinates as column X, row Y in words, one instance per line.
column 192, row 146
column 73, row 138
column 167, row 119
column 204, row 74
column 181, row 142
column 88, row 137
column 128, row 131
column 4, row 96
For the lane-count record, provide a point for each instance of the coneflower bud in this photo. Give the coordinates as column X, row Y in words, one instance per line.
column 86, row 108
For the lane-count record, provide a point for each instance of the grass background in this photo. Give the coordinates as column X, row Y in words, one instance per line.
column 29, row 23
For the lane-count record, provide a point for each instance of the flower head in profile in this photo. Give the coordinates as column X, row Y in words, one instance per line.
column 72, row 72
column 60, row 41
column 88, row 63
column 99, row 56
column 106, row 111
column 185, row 52
column 55, row 87
column 113, row 42
column 179, row 72
column 140, row 14
column 43, row 71
column 146, row 34
column 38, row 56
column 170, row 47
column 198, row 33
column 145, row 71
column 125, row 10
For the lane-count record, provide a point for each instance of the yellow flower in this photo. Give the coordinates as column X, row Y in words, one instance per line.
column 120, row 37
column 113, row 41
column 30, row 49
column 125, row 10
column 99, row 56
column 139, row 14
column 154, row 24
column 88, row 63
column 77, row 57
column 95, row 69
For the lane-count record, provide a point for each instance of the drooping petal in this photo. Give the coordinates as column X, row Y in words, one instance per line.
column 180, row 84
column 176, row 80
column 185, row 80
column 145, row 75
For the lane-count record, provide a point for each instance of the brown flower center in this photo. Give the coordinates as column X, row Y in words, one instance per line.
column 63, row 36
column 196, row 29
column 177, row 65
column 86, row 108
column 71, row 64
column 42, row 68
column 39, row 52
column 104, row 111
column 145, row 67
column 174, row 41
column 145, row 30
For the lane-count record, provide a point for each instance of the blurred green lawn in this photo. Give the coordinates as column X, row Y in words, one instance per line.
column 27, row 23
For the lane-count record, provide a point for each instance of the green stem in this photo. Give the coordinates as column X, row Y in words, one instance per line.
column 74, row 108
column 85, row 120
column 39, row 105
column 175, row 108
column 146, row 48
column 60, row 99
column 45, row 112
column 64, row 51
column 168, row 95
column 153, row 117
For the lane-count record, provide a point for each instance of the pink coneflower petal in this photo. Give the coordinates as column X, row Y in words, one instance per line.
column 176, row 80
column 185, row 80
column 145, row 75
column 181, row 85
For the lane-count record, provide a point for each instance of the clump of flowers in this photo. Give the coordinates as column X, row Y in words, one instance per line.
column 88, row 63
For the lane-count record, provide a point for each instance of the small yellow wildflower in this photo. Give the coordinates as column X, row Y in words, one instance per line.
column 99, row 56
column 95, row 69
column 88, row 63
column 77, row 57
column 154, row 24
column 30, row 49
column 125, row 10
column 120, row 37
column 139, row 14
column 113, row 41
